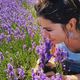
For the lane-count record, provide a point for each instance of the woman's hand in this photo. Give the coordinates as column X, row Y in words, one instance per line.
column 70, row 77
column 51, row 62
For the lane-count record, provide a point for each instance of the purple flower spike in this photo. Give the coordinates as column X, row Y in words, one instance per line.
column 8, row 38
column 21, row 73
column 10, row 67
column 2, row 36
column 58, row 76
column 1, row 56
column 43, row 51
column 10, row 71
column 24, row 46
column 60, row 55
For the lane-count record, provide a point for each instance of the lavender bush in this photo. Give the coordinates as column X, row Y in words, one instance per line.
column 19, row 35
column 45, row 55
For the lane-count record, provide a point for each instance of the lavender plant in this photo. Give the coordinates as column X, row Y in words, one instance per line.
column 44, row 53
column 14, row 74
column 60, row 56
column 1, row 57
column 42, row 76
column 18, row 39
column 10, row 72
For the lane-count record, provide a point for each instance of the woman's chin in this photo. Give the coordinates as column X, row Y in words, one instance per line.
column 54, row 42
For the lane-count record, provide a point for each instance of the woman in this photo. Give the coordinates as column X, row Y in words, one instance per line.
column 60, row 21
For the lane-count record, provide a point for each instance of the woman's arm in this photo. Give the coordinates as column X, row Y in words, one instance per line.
column 78, row 76
column 72, row 77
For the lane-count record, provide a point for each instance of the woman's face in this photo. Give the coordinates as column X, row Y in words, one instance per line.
column 52, row 30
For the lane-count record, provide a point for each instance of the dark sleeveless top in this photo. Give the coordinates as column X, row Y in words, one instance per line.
column 72, row 62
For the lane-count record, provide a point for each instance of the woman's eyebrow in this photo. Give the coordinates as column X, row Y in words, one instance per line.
column 46, row 28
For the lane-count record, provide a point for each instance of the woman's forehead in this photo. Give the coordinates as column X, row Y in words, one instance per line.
column 44, row 22
column 47, row 23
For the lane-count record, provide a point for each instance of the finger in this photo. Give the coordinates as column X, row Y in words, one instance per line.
column 49, row 74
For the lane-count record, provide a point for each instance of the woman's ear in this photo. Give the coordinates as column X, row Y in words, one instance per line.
column 71, row 25
column 71, row 29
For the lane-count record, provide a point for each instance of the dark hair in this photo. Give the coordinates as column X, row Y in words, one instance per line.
column 59, row 11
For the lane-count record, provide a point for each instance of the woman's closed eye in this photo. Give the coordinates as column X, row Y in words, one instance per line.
column 47, row 29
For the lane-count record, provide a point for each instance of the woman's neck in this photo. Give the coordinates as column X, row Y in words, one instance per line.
column 73, row 45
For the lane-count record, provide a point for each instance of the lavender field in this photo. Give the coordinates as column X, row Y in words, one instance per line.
column 19, row 36
column 22, row 44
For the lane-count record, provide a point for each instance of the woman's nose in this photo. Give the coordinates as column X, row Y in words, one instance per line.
column 45, row 34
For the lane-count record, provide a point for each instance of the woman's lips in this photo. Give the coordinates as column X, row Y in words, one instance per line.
column 53, row 42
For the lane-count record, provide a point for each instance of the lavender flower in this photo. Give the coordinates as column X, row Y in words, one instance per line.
column 44, row 52
column 58, row 76
column 60, row 55
column 53, row 78
column 8, row 38
column 2, row 36
column 21, row 73
column 13, row 18
column 39, row 75
column 10, row 67
column 24, row 46
column 31, row 32
column 1, row 57
column 10, row 71
column 48, row 47
column 33, row 45
column 31, row 1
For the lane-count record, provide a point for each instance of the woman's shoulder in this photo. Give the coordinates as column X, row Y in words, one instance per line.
column 61, row 46
column 71, row 55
